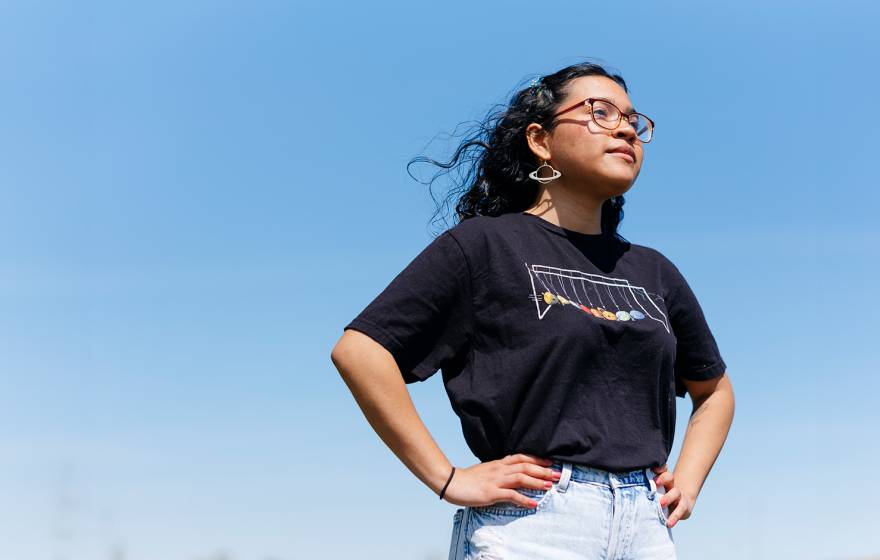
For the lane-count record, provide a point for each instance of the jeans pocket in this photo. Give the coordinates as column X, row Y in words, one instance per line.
column 662, row 511
column 455, row 545
column 513, row 509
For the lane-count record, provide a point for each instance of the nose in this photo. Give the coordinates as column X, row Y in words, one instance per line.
column 624, row 129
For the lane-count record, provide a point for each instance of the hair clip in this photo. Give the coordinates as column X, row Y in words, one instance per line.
column 535, row 82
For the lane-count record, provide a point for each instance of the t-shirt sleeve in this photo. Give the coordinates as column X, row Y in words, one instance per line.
column 697, row 357
column 423, row 316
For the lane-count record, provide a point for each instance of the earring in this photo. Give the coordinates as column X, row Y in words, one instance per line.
column 534, row 174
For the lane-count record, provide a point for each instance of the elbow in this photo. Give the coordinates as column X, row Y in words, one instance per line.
column 339, row 354
column 726, row 388
column 348, row 350
column 358, row 356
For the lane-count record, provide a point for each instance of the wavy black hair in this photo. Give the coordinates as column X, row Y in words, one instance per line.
column 493, row 161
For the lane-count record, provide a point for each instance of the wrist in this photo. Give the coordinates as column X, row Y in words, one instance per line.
column 439, row 476
column 443, row 490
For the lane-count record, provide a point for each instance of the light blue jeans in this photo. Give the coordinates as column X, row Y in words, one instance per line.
column 590, row 514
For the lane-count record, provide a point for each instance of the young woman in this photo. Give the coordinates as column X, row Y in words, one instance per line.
column 562, row 346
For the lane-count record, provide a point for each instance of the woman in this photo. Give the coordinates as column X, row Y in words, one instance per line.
column 562, row 345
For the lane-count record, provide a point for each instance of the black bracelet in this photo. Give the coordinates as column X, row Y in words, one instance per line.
column 447, row 483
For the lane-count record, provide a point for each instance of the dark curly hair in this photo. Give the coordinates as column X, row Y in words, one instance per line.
column 494, row 160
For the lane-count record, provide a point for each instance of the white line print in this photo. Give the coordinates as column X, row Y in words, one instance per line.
column 552, row 275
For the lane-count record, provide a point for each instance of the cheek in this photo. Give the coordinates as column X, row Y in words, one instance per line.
column 582, row 150
column 583, row 163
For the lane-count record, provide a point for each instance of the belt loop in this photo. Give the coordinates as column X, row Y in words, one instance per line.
column 562, row 485
column 650, row 476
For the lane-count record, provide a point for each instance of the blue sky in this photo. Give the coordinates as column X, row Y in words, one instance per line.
column 198, row 196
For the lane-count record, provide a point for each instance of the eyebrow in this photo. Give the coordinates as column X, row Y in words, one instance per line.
column 630, row 110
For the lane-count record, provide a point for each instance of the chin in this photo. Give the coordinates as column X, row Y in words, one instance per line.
column 620, row 183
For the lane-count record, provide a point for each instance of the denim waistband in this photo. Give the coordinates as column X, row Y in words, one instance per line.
column 584, row 473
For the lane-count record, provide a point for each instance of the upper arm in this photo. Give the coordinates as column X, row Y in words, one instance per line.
column 698, row 362
column 352, row 343
column 422, row 318
column 699, row 390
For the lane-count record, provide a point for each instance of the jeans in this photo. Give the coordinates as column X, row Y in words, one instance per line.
column 589, row 514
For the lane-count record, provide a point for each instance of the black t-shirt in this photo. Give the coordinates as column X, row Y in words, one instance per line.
column 551, row 342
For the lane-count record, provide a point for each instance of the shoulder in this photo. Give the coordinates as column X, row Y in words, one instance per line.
column 461, row 244
column 654, row 254
column 480, row 225
column 668, row 273
column 473, row 233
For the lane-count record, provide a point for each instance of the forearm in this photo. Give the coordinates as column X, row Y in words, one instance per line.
column 706, row 432
column 377, row 385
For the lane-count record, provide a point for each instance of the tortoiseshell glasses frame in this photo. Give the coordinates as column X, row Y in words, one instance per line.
column 647, row 131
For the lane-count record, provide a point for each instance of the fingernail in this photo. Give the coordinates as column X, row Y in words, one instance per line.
column 548, row 484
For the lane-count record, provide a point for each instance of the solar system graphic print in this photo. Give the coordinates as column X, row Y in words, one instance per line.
column 597, row 297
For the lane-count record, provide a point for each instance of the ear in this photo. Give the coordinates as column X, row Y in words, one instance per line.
column 537, row 139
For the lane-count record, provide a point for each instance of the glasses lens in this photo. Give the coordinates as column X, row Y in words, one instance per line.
column 644, row 129
column 605, row 114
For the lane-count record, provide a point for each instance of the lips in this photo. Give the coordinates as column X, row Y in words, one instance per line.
column 624, row 152
column 623, row 155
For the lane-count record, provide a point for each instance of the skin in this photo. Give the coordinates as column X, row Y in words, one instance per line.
column 377, row 385
column 707, row 429
column 578, row 148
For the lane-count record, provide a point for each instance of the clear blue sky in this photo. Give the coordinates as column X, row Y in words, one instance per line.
column 198, row 196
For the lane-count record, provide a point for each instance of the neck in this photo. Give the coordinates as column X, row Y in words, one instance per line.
column 569, row 210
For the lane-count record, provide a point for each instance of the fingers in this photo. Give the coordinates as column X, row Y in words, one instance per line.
column 525, row 458
column 537, row 478
column 531, row 468
column 519, row 499
column 670, row 497
column 673, row 497
column 666, row 479
column 674, row 515
column 528, row 471
column 536, row 471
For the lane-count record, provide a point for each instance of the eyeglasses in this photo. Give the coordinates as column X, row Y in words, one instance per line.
column 607, row 115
